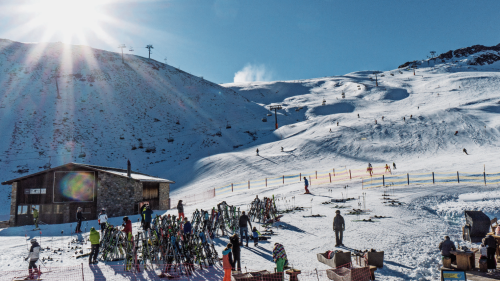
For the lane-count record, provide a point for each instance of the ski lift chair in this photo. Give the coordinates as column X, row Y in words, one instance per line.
column 228, row 126
column 131, row 49
column 82, row 154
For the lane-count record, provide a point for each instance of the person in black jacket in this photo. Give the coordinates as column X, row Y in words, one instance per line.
column 244, row 220
column 491, row 243
column 79, row 218
column 446, row 247
column 338, row 227
column 235, row 240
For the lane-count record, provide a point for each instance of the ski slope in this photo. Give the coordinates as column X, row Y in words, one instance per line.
column 444, row 96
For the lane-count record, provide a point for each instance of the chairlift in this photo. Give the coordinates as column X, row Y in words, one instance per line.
column 264, row 119
column 170, row 139
column 131, row 49
column 82, row 154
column 228, row 126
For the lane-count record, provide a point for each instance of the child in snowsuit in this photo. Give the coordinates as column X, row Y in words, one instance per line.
column 255, row 235
column 227, row 262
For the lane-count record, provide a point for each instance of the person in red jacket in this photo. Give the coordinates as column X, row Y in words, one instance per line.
column 226, row 262
column 127, row 227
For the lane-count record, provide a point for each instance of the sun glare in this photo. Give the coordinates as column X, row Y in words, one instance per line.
column 69, row 17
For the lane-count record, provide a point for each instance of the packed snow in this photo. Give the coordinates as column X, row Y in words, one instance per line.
column 421, row 114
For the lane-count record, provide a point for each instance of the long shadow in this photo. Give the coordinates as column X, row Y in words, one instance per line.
column 263, row 254
column 268, row 159
column 398, row 264
column 293, row 228
column 394, row 273
column 98, row 275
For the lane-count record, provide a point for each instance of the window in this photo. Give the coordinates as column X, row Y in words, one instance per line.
column 87, row 210
column 22, row 210
column 46, row 209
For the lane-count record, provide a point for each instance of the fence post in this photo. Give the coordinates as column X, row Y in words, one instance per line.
column 362, row 183
column 316, row 174
column 214, row 196
column 310, row 181
column 350, row 177
column 408, row 178
column 334, row 172
column 432, row 177
column 248, row 184
column 484, row 175
column 83, row 277
column 458, row 177
column 383, row 180
column 330, row 177
column 266, row 182
column 300, row 176
column 232, row 188
column 283, row 179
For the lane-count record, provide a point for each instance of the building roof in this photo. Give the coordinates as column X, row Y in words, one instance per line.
column 115, row 171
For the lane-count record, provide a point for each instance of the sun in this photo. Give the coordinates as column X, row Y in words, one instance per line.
column 69, row 17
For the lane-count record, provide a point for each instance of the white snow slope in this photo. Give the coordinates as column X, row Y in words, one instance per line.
column 440, row 99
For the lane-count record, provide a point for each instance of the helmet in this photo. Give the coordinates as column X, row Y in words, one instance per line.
column 337, row 212
column 33, row 240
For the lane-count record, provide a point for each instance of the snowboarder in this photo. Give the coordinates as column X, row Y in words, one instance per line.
column 306, row 184
column 465, row 151
column 235, row 241
column 456, row 133
column 227, row 263
column 33, row 256
column 338, row 227
column 79, row 218
column 446, row 247
column 34, row 211
column 148, row 216
column 180, row 209
column 103, row 219
column 255, row 235
column 244, row 220
column 394, row 165
column 279, row 257
column 94, row 238
column 257, row 151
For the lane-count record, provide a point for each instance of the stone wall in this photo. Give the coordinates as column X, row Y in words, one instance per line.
column 13, row 201
column 117, row 194
column 164, row 196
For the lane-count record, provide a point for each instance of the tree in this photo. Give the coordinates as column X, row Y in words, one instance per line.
column 149, row 47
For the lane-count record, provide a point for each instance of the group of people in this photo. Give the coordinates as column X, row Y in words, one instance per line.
column 487, row 250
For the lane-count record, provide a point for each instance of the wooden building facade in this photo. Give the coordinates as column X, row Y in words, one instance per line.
column 57, row 193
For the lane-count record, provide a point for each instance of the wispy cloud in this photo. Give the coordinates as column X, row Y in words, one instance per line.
column 253, row 72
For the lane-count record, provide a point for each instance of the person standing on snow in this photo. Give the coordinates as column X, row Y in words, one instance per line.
column 257, row 152
column 94, row 238
column 387, row 168
column 306, row 185
column 187, row 229
column 34, row 211
column 244, row 220
column 491, row 243
column 338, row 227
column 235, row 241
column 103, row 219
column 143, row 208
column 465, row 151
column 279, row 257
column 148, row 216
column 79, row 218
column 227, row 263
column 33, row 257
column 127, row 227
column 180, row 209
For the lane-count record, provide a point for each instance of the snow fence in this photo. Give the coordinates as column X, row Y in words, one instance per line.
column 430, row 178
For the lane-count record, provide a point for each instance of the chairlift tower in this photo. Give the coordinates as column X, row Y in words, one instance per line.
column 275, row 108
column 122, row 46
column 149, row 47
column 376, row 80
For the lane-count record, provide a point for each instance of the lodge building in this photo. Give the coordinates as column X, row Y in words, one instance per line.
column 57, row 193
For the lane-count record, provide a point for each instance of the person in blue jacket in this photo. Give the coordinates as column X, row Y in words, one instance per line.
column 306, row 184
column 187, row 229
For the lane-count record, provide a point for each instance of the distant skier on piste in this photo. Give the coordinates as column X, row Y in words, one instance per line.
column 465, row 151
column 306, row 184
column 394, row 165
column 257, row 151
column 370, row 169
column 387, row 168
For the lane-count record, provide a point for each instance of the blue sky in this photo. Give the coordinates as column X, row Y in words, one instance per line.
column 263, row 40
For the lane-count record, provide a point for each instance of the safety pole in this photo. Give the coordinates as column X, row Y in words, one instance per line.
column 383, row 180
column 330, row 177
column 248, row 184
column 350, row 177
column 232, row 189
column 266, row 182
column 484, row 175
column 83, row 278
column 300, row 176
column 458, row 177
column 334, row 172
column 283, row 179
column 408, row 178
column 432, row 177
column 316, row 174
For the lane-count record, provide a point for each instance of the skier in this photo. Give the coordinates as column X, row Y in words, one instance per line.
column 358, row 115
column 338, row 227
column 306, row 184
column 446, row 247
column 35, row 217
column 103, row 219
column 282, row 149
column 227, row 263
column 235, row 241
column 127, row 227
column 370, row 169
column 387, row 168
column 79, row 218
column 94, row 238
column 456, row 133
column 257, row 151
column 244, row 220
column 394, row 165
column 330, row 130
column 148, row 216
column 465, row 151
column 33, row 256
column 180, row 209
column 404, row 118
column 279, row 257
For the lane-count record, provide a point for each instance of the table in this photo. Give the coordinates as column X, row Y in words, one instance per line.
column 465, row 260
column 498, row 244
column 293, row 274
